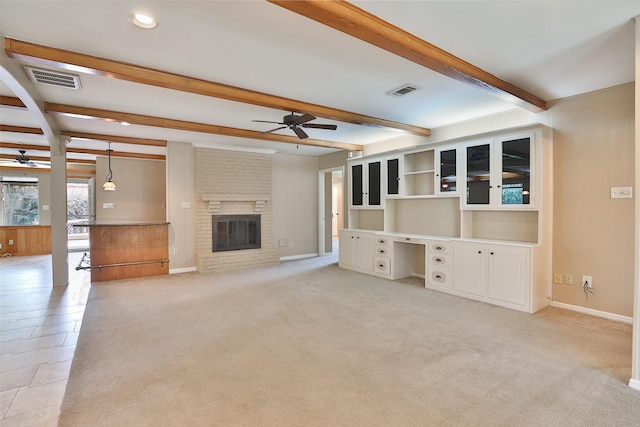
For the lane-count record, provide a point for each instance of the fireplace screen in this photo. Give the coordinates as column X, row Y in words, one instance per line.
column 235, row 232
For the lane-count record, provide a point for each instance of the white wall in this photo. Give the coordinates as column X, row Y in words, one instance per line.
column 295, row 204
column 181, row 206
column 140, row 193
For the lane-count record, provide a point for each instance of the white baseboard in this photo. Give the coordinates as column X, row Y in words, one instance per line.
column 634, row 384
column 592, row 312
column 292, row 257
column 181, row 270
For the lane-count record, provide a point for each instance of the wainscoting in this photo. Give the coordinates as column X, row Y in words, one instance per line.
column 22, row 240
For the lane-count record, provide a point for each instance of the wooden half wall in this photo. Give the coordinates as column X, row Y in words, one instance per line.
column 21, row 240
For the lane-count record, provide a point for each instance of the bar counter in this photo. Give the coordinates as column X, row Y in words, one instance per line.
column 121, row 250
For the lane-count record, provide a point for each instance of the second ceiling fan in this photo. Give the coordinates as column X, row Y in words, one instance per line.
column 295, row 122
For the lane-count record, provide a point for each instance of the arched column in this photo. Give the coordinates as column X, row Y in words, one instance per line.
column 13, row 76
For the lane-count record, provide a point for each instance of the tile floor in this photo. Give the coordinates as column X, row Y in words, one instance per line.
column 39, row 327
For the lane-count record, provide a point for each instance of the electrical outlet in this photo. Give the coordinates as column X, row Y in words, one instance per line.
column 175, row 251
column 11, row 241
column 0, row 245
column 568, row 279
column 557, row 278
column 587, row 281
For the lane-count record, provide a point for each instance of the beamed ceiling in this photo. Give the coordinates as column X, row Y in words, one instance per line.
column 210, row 68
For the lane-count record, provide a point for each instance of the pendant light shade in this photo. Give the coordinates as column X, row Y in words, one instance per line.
column 109, row 185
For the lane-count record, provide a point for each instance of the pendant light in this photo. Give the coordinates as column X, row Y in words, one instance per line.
column 108, row 185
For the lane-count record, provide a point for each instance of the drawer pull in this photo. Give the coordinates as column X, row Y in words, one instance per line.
column 438, row 248
column 438, row 276
column 438, row 259
column 408, row 239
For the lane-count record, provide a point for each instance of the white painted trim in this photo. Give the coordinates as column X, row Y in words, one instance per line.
column 182, row 270
column 592, row 312
column 293, row 257
column 634, row 384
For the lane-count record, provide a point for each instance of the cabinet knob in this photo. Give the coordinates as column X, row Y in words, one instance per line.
column 491, row 253
column 479, row 252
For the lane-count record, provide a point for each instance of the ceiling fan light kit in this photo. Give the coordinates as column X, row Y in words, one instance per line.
column 295, row 122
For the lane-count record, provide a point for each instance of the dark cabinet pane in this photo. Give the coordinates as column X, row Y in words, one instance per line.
column 478, row 174
column 516, row 171
column 448, row 170
column 356, row 185
column 393, row 176
column 374, row 184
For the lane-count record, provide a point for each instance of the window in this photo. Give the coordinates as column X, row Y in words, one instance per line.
column 512, row 194
column 19, row 202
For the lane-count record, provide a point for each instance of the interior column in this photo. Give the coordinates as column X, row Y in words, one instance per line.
column 635, row 357
column 59, row 251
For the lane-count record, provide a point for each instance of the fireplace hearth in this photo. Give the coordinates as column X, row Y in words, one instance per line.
column 235, row 232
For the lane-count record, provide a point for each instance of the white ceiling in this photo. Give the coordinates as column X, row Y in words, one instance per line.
column 553, row 49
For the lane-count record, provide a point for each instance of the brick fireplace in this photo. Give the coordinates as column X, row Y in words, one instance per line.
column 230, row 183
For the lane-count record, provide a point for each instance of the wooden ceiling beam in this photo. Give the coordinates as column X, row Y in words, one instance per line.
column 115, row 138
column 83, row 151
column 193, row 126
column 24, row 146
column 116, row 154
column 95, row 65
column 10, row 101
column 21, row 129
column 358, row 23
column 48, row 159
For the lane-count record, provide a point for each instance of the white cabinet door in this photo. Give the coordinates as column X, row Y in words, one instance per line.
column 366, row 178
column 470, row 268
column 508, row 273
column 357, row 250
column 447, row 168
column 365, row 251
column 347, row 251
column 500, row 173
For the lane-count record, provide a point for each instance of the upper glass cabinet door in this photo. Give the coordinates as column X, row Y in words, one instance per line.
column 447, row 174
column 516, row 172
column 478, row 167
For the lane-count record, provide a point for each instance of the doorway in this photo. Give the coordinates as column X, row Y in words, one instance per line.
column 331, row 203
column 79, row 209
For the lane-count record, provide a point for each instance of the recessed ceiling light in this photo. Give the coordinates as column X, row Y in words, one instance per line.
column 143, row 20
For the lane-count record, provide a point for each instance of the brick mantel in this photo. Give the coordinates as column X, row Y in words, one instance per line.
column 216, row 199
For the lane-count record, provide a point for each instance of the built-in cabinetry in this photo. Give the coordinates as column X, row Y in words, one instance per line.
column 471, row 216
column 495, row 273
column 356, row 250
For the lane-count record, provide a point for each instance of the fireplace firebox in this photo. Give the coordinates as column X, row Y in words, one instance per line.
column 235, row 232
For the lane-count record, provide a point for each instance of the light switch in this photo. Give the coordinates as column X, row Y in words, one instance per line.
column 108, row 205
column 186, row 205
column 621, row 192
column 45, row 207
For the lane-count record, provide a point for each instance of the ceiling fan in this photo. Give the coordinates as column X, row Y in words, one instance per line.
column 296, row 122
column 25, row 160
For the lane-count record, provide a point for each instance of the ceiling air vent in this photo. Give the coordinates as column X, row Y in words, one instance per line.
column 403, row 90
column 53, row 78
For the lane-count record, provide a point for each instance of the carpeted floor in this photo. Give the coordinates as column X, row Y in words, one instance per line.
column 308, row 344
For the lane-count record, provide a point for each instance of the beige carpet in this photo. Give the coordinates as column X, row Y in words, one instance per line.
column 308, row 344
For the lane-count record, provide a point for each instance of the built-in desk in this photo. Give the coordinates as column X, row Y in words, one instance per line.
column 121, row 250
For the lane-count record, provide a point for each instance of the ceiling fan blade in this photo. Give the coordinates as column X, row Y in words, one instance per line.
column 304, row 119
column 301, row 134
column 319, row 126
column 273, row 130
column 264, row 121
